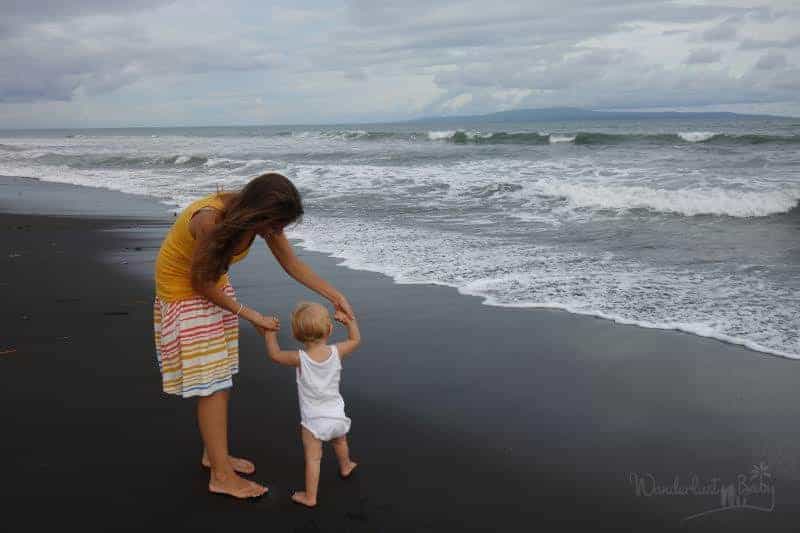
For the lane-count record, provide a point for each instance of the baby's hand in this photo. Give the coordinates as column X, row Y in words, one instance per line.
column 267, row 325
column 275, row 324
column 341, row 316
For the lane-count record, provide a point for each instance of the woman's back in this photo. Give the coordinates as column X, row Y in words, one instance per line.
column 173, row 264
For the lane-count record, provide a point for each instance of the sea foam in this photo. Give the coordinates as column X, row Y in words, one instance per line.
column 688, row 202
column 696, row 136
column 441, row 135
column 551, row 277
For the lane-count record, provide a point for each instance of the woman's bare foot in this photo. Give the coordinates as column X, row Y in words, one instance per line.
column 236, row 486
column 243, row 466
column 347, row 470
column 303, row 499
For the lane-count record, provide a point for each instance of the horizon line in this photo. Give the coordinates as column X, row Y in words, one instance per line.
column 409, row 120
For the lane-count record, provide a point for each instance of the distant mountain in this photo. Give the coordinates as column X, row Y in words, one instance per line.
column 573, row 113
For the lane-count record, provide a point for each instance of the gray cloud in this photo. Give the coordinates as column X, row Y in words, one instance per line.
column 404, row 58
column 788, row 80
column 356, row 75
column 530, row 54
column 725, row 31
column 702, row 56
column 49, row 9
column 760, row 44
column 19, row 13
column 763, row 14
column 771, row 61
column 115, row 55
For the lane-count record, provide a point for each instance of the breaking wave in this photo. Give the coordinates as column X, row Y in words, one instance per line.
column 688, row 202
column 120, row 161
column 11, row 148
column 597, row 138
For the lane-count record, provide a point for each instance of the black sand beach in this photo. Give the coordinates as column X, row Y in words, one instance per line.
column 465, row 416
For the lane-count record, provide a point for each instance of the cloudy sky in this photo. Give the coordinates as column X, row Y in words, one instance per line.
column 156, row 62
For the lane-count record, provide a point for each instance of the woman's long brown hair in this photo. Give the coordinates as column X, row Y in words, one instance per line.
column 269, row 199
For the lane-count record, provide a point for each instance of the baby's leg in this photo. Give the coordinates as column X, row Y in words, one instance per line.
column 346, row 466
column 313, row 455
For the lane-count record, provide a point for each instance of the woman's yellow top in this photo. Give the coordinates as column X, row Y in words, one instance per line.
column 174, row 261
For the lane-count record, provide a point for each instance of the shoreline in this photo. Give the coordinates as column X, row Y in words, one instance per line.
column 465, row 416
column 149, row 206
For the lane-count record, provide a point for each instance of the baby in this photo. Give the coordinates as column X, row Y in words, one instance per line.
column 319, row 367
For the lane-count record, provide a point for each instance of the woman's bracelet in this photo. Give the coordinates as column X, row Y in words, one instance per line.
column 241, row 306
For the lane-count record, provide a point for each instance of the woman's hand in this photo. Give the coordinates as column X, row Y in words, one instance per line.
column 341, row 317
column 341, row 304
column 261, row 322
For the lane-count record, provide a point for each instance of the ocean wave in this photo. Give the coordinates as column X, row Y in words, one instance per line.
column 253, row 164
column 347, row 135
column 189, row 160
column 465, row 137
column 687, row 202
column 343, row 134
column 487, row 191
column 696, row 136
column 223, row 162
column 353, row 137
column 554, row 139
column 441, row 135
column 120, row 161
column 580, row 137
column 12, row 148
column 692, row 137
column 457, row 136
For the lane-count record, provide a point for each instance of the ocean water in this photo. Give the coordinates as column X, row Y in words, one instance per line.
column 678, row 224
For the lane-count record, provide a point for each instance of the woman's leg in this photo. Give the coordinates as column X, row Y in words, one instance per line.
column 212, row 418
column 243, row 466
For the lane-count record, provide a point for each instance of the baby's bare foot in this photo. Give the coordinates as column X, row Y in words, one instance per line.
column 243, row 466
column 347, row 469
column 303, row 499
column 235, row 486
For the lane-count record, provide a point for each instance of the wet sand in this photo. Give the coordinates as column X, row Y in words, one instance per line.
column 465, row 416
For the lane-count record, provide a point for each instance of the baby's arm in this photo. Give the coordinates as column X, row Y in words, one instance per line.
column 353, row 335
column 283, row 357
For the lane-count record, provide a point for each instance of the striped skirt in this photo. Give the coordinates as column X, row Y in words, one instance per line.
column 197, row 345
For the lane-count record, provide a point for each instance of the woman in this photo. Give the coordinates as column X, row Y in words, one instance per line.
column 196, row 311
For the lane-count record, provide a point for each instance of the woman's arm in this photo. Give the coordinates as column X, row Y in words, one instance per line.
column 216, row 296
column 281, row 248
column 200, row 227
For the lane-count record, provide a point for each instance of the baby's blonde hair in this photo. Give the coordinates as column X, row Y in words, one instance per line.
column 310, row 322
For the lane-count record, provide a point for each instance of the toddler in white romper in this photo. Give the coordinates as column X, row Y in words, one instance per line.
column 321, row 403
column 319, row 367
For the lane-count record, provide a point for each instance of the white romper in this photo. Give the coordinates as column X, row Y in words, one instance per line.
column 321, row 403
